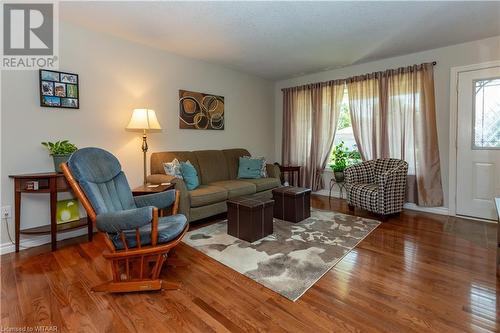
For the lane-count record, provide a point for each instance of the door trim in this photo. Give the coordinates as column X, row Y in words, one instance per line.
column 452, row 172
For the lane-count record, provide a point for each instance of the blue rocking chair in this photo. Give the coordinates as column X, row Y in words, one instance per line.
column 138, row 239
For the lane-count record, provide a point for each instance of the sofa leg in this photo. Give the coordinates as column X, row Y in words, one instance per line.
column 384, row 218
column 351, row 208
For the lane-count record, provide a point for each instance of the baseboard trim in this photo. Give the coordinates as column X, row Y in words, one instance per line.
column 32, row 241
column 433, row 210
column 409, row 206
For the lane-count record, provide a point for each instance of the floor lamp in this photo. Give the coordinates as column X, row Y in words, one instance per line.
column 144, row 120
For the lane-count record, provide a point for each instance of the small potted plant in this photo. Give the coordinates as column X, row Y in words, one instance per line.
column 60, row 152
column 343, row 158
column 339, row 159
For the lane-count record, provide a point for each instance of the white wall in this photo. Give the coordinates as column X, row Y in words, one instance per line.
column 115, row 77
column 446, row 57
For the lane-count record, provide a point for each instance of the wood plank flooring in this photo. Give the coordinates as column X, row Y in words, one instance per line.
column 415, row 273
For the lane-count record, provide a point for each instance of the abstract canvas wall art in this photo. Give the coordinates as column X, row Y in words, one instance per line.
column 200, row 111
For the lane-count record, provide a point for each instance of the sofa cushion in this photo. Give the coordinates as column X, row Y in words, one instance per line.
column 232, row 160
column 236, row 188
column 189, row 175
column 157, row 160
column 213, row 166
column 264, row 184
column 249, row 168
column 206, row 195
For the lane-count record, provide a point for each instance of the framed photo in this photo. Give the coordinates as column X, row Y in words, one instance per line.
column 59, row 89
column 47, row 88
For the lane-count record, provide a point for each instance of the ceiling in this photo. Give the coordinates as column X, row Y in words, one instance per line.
column 277, row 40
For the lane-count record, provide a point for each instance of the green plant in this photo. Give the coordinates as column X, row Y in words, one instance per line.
column 342, row 157
column 60, row 147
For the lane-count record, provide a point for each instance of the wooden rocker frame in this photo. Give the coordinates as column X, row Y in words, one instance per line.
column 150, row 259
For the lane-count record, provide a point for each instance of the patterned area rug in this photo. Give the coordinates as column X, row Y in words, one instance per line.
column 294, row 257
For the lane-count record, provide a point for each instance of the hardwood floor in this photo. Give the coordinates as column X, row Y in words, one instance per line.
column 416, row 272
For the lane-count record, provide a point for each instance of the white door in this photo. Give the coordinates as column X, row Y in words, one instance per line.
column 478, row 142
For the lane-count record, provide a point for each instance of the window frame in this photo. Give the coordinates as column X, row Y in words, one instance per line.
column 473, row 125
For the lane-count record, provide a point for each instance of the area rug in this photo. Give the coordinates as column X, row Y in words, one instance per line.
column 294, row 257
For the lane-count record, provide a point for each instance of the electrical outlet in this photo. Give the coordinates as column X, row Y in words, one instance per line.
column 6, row 212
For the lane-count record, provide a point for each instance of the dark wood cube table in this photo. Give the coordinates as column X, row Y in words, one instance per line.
column 292, row 204
column 250, row 218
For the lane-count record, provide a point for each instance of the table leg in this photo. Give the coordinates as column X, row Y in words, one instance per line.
column 53, row 209
column 90, row 229
column 330, row 193
column 17, row 219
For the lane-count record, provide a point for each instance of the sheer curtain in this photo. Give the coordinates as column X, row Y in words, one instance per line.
column 393, row 115
column 366, row 117
column 310, row 115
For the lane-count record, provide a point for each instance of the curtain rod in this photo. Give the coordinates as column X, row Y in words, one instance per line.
column 434, row 63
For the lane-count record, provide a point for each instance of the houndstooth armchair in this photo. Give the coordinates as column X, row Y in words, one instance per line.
column 378, row 186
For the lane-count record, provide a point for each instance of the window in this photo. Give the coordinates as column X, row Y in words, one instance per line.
column 344, row 132
column 486, row 125
column 344, row 127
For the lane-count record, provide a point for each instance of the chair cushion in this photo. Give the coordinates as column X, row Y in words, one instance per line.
column 99, row 175
column 94, row 165
column 263, row 184
column 236, row 188
column 206, row 195
column 169, row 227
column 364, row 196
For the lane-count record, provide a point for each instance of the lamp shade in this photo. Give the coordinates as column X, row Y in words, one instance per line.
column 143, row 119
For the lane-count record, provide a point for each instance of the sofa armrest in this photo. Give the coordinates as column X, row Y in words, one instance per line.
column 180, row 185
column 273, row 171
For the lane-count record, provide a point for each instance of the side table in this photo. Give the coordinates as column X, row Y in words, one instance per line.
column 341, row 186
column 291, row 171
column 52, row 183
column 146, row 189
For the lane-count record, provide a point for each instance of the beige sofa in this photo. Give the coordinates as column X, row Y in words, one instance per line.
column 217, row 172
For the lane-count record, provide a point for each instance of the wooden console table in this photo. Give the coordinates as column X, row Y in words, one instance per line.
column 52, row 183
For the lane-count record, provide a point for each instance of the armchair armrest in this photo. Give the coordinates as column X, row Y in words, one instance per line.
column 159, row 200
column 273, row 171
column 359, row 173
column 114, row 222
column 180, row 185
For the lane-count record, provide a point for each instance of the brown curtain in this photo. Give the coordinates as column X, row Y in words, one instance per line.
column 310, row 115
column 393, row 115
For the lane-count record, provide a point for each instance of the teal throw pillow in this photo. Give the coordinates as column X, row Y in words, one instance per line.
column 190, row 175
column 249, row 168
